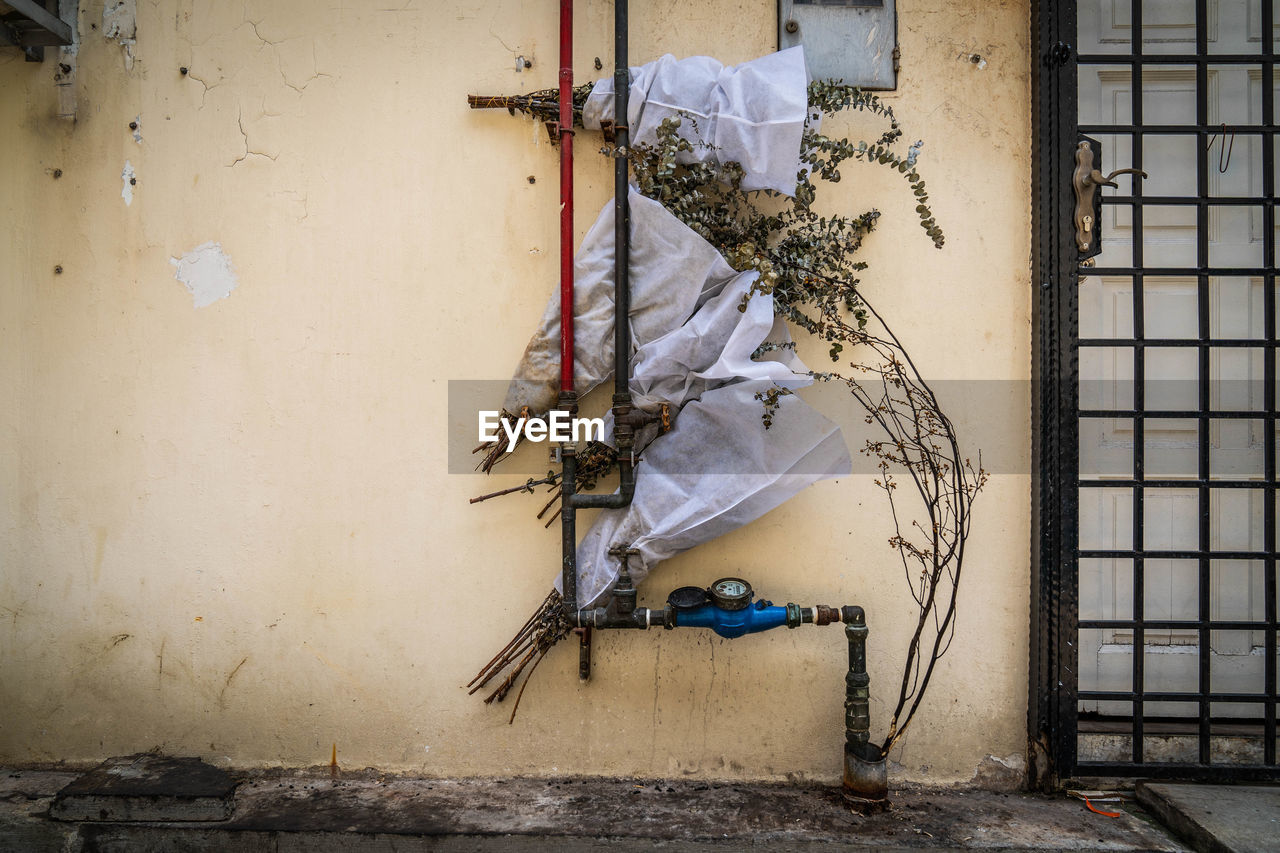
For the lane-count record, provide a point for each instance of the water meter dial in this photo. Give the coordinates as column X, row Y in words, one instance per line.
column 731, row 594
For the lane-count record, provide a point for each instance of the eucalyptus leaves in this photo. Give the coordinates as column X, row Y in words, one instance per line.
column 803, row 258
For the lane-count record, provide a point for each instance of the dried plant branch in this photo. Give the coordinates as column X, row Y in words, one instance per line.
column 546, row 627
column 543, row 105
column 806, row 261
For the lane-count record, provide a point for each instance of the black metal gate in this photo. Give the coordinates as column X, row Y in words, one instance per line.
column 1171, row 671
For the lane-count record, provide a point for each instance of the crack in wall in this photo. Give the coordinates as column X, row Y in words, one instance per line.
column 205, row 92
column 284, row 57
column 254, row 26
column 248, row 152
column 300, row 198
column 316, row 74
column 308, row 82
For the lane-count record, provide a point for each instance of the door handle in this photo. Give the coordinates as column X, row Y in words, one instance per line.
column 1086, row 180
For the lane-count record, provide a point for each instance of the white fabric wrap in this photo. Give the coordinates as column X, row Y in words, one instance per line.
column 753, row 113
column 718, row 468
column 673, row 271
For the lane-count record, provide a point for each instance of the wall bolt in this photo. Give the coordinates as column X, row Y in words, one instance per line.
column 528, row 63
column 975, row 58
column 133, row 181
column 183, row 71
column 57, row 173
column 599, row 64
column 64, row 68
column 133, row 125
column 57, row 270
column 793, row 27
column 532, row 179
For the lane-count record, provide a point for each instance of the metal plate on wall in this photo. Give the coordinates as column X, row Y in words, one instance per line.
column 852, row 40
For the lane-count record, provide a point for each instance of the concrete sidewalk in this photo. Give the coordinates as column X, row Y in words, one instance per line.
column 375, row 813
column 1218, row 818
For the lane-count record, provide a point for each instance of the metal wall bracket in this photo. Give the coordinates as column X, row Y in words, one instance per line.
column 33, row 25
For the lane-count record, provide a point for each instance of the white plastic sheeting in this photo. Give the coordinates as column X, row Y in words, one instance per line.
column 753, row 113
column 719, row 468
column 673, row 270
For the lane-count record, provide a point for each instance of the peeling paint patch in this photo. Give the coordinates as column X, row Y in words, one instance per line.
column 1001, row 774
column 130, row 178
column 206, row 272
column 120, row 23
column 120, row 19
column 137, row 128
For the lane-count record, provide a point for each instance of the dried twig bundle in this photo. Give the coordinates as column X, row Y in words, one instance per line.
column 543, row 104
column 546, row 627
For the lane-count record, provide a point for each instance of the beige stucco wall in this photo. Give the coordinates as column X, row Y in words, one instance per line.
column 229, row 531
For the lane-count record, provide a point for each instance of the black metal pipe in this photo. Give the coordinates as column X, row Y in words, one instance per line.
column 622, row 613
column 568, row 525
column 584, row 653
column 866, row 782
column 865, row 779
column 641, row 618
column 624, row 431
column 620, row 498
column 621, row 209
column 857, row 710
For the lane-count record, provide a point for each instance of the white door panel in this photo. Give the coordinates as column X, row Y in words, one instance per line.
column 1171, row 307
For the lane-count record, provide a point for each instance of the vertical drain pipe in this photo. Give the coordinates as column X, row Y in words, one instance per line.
column 866, row 780
column 624, row 421
column 624, row 427
column 621, row 209
column 568, row 399
column 566, row 196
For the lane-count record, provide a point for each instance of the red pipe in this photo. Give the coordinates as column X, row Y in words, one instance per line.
column 566, row 195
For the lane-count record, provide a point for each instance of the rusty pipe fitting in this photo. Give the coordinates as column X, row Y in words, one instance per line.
column 866, row 783
column 824, row 615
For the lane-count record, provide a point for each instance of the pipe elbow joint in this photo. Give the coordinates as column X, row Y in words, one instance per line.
column 617, row 500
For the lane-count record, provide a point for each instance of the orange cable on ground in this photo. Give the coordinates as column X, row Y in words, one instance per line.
column 1090, row 807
